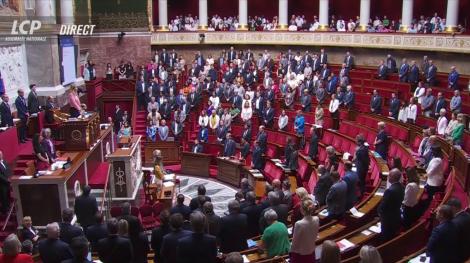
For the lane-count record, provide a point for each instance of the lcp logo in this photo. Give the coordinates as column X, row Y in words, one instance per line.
column 25, row 27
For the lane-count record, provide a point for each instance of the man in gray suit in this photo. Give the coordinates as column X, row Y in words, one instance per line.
column 163, row 131
column 33, row 102
column 456, row 102
column 336, row 198
column 427, row 103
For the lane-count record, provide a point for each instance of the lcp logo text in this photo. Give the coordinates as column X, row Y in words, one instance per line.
column 25, row 27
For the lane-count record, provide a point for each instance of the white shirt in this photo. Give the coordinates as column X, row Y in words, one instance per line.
column 411, row 195
column 215, row 102
column 434, row 172
column 334, row 104
column 403, row 114
column 305, row 234
column 203, row 121
column 441, row 125
column 282, row 122
column 412, row 112
column 419, row 93
column 247, row 113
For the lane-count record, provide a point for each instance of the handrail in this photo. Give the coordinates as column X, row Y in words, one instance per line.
column 134, row 113
column 103, row 200
column 9, row 215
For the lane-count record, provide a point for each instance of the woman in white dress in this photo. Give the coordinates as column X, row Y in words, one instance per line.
column 403, row 112
column 247, row 111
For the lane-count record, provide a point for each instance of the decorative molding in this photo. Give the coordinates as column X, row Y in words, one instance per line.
column 438, row 42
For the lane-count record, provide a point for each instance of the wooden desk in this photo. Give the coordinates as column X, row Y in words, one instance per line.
column 228, row 171
column 256, row 180
column 81, row 133
column 126, row 170
column 195, row 163
column 170, row 152
column 58, row 188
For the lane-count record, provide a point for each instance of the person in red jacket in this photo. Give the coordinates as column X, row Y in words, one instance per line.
column 12, row 250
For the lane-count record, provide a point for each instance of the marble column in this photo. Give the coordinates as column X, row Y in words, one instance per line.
column 243, row 14
column 452, row 15
column 283, row 14
column 162, row 15
column 364, row 15
column 323, row 15
column 202, row 14
column 66, row 12
column 406, row 15
column 45, row 11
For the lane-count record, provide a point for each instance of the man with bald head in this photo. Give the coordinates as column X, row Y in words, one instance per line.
column 389, row 208
column 52, row 249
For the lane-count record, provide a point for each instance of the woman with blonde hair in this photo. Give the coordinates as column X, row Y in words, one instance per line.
column 123, row 228
column 74, row 102
column 330, row 252
column 305, row 235
column 301, row 194
column 159, row 171
column 369, row 254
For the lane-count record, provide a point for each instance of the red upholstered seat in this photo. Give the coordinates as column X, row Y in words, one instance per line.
column 321, row 154
column 271, row 151
column 327, row 137
column 302, row 169
column 115, row 211
column 312, row 182
column 148, row 219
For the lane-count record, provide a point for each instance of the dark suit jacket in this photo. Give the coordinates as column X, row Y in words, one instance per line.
column 440, row 103
column 33, row 103
column 247, row 134
column 245, row 150
column 197, row 248
column 203, row 136
column 95, row 233
column 6, row 116
column 169, row 245
column 313, row 147
column 252, row 212
column 175, row 131
column 48, row 149
column 199, row 148
column 5, row 173
column 389, row 208
column 118, row 119
column 49, row 113
column 362, row 160
column 376, row 104
column 257, row 158
column 413, row 75
column 443, row 242
column 262, row 139
column 25, row 234
column 282, row 211
column 115, row 249
column 85, row 209
column 322, row 188
column 157, row 239
column 229, row 148
column 394, row 107
column 194, row 203
column 233, row 233
column 184, row 210
column 140, row 248
column 68, row 232
column 462, row 223
column 54, row 251
column 21, row 108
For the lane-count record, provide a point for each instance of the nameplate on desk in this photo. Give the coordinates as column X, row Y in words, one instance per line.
column 254, row 171
column 324, row 213
column 25, row 177
column 356, row 213
column 380, row 192
column 376, row 228
column 258, row 175
column 344, row 244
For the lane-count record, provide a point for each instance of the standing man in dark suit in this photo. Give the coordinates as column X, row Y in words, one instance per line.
column 337, row 197
column 381, row 141
column 440, row 104
column 252, row 212
column 5, row 173
column 382, row 71
column 389, row 209
column 306, row 101
column 262, row 139
column 376, row 103
column 201, row 194
column 443, row 243
column 23, row 115
column 141, row 88
column 49, row 110
column 114, row 248
column 362, row 161
column 85, row 208
column 431, row 74
column 244, row 149
column 165, row 57
column 453, row 79
column 233, row 229
column 52, row 249
column 170, row 241
column 404, row 70
column 349, row 98
column 67, row 230
column 230, row 146
column 257, row 156
column 135, row 227
column 268, row 115
column 197, row 147
column 197, row 247
column 97, row 231
column 413, row 74
column 5, row 112
column 33, row 102
column 349, row 60
column 275, row 204
column 462, row 223
column 117, row 118
column 246, row 134
column 394, row 107
column 323, row 57
column 391, row 64
column 181, row 208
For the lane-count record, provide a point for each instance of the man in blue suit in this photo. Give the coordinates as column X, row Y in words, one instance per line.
column 389, row 208
column 382, row 71
column 23, row 115
column 257, row 156
column 413, row 75
column 306, row 101
column 394, row 106
column 351, row 179
column 197, row 147
column 332, row 84
column 443, row 243
column 325, row 72
column 453, row 78
column 440, row 104
column 349, row 97
column 403, row 72
column 268, row 115
column 362, row 161
column 431, row 74
column 170, row 241
column 262, row 139
column 229, row 147
column 299, row 123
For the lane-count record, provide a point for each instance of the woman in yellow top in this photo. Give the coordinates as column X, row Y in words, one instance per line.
column 158, row 168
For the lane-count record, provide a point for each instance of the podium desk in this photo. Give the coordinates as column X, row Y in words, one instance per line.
column 195, row 163
column 170, row 152
column 228, row 171
column 43, row 198
column 80, row 133
column 126, row 170
column 256, row 180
